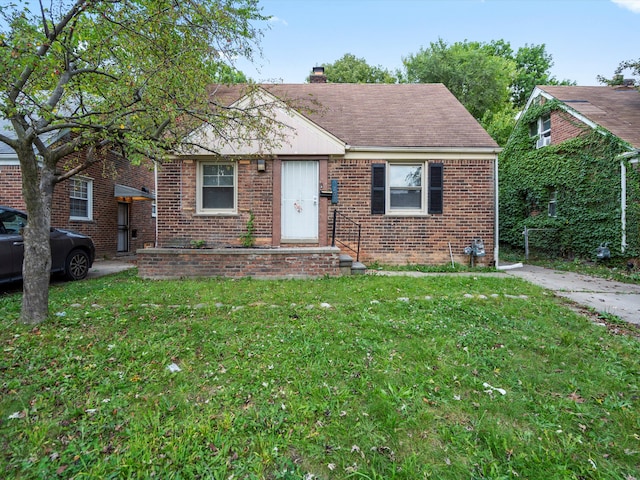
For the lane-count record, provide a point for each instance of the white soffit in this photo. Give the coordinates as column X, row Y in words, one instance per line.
column 296, row 134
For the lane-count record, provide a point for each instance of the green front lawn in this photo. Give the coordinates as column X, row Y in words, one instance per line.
column 452, row 377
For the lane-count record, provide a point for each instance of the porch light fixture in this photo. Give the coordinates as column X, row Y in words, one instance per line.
column 262, row 165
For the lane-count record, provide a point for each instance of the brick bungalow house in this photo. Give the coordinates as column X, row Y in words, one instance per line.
column 570, row 172
column 405, row 163
column 111, row 201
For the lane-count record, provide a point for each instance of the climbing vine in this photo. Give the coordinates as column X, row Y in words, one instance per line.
column 581, row 176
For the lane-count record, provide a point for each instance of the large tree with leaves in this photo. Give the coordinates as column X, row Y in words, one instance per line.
column 130, row 75
column 351, row 69
column 479, row 79
column 489, row 79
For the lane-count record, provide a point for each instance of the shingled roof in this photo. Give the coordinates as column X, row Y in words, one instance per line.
column 383, row 115
column 616, row 109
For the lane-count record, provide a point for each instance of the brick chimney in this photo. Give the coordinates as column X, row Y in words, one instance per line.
column 317, row 75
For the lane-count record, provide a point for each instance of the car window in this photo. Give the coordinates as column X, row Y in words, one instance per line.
column 12, row 222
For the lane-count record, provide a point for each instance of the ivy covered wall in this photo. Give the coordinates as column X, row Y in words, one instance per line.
column 579, row 177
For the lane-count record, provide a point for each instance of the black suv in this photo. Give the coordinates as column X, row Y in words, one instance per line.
column 72, row 253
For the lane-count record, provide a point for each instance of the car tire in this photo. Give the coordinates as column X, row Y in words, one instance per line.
column 77, row 265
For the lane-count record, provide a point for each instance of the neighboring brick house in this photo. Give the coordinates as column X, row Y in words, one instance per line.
column 412, row 167
column 570, row 171
column 106, row 201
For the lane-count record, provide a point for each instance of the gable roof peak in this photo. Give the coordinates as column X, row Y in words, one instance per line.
column 614, row 109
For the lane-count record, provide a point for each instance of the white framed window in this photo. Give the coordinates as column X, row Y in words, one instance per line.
column 217, row 188
column 541, row 129
column 407, row 188
column 405, row 194
column 81, row 198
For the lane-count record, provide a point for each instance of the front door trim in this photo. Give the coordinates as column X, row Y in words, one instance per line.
column 300, row 201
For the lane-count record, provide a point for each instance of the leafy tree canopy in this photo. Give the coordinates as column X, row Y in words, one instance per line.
column 490, row 79
column 119, row 71
column 350, row 69
column 477, row 78
column 126, row 74
column 532, row 68
column 483, row 76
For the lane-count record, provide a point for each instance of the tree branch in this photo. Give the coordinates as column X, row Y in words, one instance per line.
column 45, row 26
column 12, row 142
column 18, row 87
column 90, row 159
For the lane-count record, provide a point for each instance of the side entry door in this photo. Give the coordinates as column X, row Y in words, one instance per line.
column 123, row 227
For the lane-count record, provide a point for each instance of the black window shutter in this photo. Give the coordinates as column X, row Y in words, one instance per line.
column 378, row 178
column 435, row 187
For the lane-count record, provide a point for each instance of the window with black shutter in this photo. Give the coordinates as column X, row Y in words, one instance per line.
column 378, row 195
column 400, row 191
column 435, row 188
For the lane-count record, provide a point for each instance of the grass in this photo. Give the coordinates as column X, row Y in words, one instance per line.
column 358, row 377
column 443, row 268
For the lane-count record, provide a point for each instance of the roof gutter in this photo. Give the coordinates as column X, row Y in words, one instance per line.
column 352, row 148
column 420, row 153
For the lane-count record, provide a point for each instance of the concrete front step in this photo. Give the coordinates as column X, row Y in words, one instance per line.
column 358, row 268
column 349, row 267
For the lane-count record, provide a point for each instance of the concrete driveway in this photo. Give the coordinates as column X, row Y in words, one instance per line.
column 101, row 268
column 604, row 296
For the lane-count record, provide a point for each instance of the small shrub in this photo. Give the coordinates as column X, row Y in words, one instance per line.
column 248, row 238
column 198, row 243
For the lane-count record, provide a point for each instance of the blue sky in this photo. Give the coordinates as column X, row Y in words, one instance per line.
column 586, row 38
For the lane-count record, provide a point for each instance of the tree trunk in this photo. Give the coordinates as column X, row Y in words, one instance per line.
column 37, row 190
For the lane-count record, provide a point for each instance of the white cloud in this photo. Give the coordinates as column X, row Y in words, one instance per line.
column 274, row 19
column 633, row 5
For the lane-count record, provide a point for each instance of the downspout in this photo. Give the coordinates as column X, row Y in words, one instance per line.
column 632, row 157
column 623, row 204
column 496, row 228
column 155, row 181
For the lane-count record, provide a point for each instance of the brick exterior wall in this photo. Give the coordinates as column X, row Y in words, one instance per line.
column 565, row 127
column 103, row 228
column 468, row 212
column 179, row 223
column 11, row 186
column 162, row 263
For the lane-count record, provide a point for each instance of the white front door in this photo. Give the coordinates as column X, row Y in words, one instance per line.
column 299, row 206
